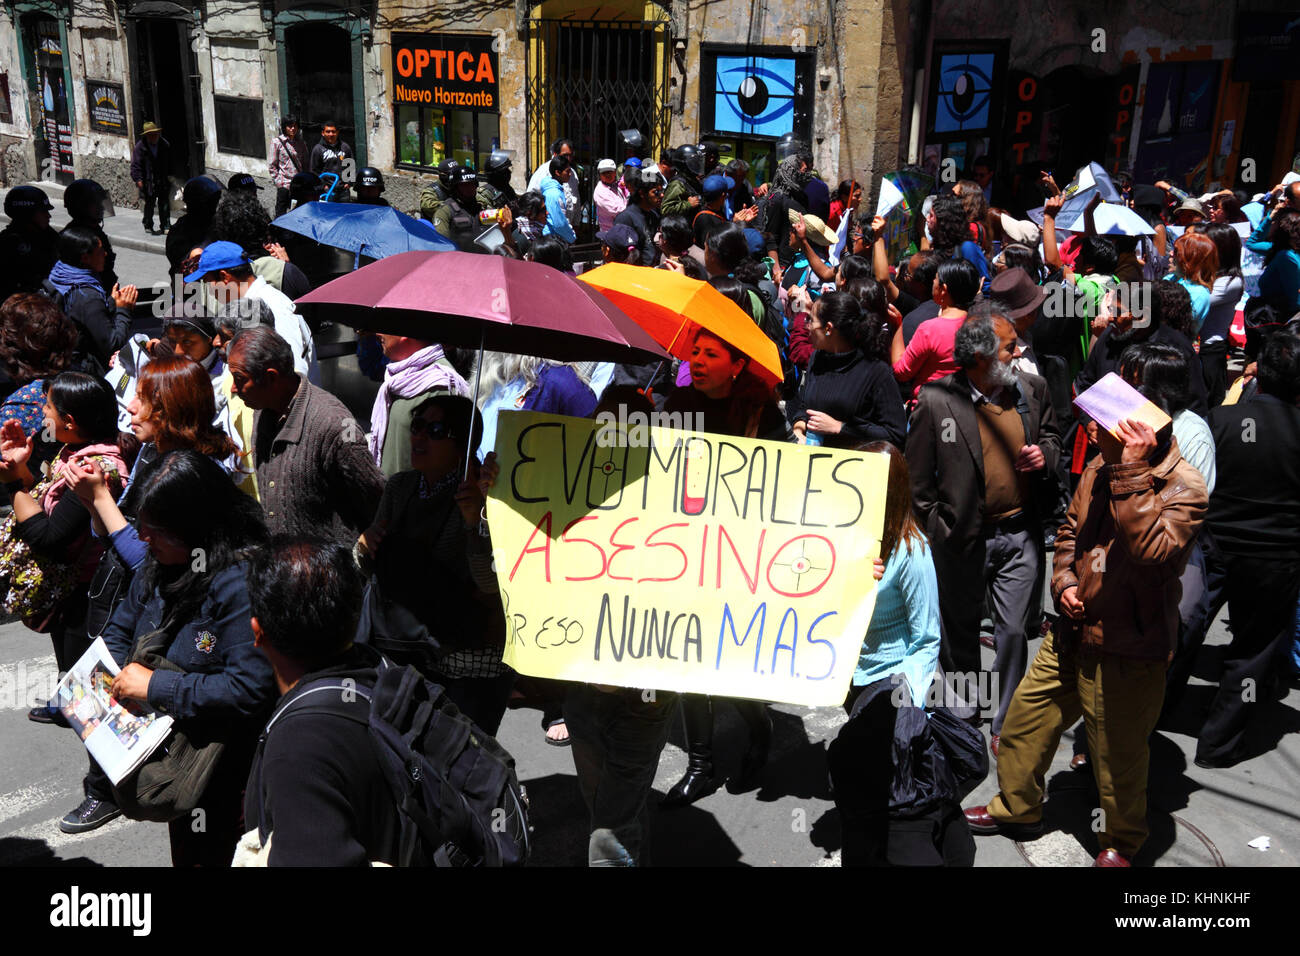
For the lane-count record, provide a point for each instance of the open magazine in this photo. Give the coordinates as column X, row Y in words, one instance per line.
column 120, row 734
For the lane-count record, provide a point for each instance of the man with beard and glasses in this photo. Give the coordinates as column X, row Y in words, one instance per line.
column 1152, row 312
column 982, row 446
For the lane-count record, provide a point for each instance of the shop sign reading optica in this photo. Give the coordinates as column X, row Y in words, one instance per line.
column 445, row 70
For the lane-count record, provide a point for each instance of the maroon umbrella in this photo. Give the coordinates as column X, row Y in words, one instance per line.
column 482, row 302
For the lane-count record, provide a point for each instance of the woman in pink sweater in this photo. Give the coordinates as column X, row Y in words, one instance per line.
column 929, row 355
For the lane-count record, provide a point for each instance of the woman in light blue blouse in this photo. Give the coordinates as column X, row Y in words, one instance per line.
column 899, row 656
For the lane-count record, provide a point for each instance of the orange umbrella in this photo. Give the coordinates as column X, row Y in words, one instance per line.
column 673, row 308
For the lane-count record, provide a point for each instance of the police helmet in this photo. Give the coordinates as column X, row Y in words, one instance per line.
column 788, row 145
column 24, row 199
column 499, row 161
column 689, row 157
column 369, row 176
column 632, row 139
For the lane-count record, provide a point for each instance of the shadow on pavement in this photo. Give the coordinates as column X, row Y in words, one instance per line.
column 22, row 851
column 688, row 836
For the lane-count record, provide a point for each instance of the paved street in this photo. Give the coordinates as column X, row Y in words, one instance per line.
column 1199, row 817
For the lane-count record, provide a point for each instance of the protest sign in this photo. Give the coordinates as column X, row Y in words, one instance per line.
column 901, row 195
column 653, row 557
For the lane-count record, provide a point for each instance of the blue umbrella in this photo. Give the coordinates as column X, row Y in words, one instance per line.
column 373, row 231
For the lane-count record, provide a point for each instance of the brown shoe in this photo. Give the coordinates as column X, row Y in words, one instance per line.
column 1111, row 858
column 981, row 822
column 1078, row 761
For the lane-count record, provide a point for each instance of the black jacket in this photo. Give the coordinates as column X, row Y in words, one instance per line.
column 946, row 458
column 316, row 787
column 26, row 258
column 1106, row 353
column 859, row 392
column 102, row 326
column 1255, row 508
column 150, row 169
column 645, row 223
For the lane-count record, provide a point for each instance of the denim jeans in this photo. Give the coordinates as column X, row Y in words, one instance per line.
column 617, row 739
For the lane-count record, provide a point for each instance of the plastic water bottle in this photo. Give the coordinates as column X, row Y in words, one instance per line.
column 812, row 438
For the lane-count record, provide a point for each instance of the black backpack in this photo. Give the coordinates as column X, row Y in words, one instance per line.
column 459, row 800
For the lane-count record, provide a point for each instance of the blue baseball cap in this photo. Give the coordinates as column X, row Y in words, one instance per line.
column 218, row 256
column 633, row 162
column 754, row 239
column 715, row 186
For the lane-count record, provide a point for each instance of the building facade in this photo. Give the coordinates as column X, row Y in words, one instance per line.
column 871, row 84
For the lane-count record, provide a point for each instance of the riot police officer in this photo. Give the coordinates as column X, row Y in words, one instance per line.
column 437, row 193
column 370, row 183
column 682, row 197
column 457, row 217
column 84, row 200
column 494, row 189
column 28, row 246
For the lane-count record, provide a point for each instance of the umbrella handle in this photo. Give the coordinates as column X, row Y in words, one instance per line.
column 478, row 375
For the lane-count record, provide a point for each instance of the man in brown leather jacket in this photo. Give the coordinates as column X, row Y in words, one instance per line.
column 1124, row 543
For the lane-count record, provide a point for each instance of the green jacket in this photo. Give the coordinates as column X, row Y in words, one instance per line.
column 677, row 198
column 431, row 198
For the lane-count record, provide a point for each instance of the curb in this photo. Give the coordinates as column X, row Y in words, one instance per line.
column 119, row 242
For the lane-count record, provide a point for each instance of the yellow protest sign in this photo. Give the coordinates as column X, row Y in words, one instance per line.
column 654, row 557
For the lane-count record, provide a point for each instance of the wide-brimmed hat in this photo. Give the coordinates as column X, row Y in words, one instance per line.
column 1017, row 290
column 1191, row 205
column 150, row 127
column 817, row 230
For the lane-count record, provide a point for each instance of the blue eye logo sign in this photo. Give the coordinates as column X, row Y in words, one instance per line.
column 965, row 92
column 754, row 95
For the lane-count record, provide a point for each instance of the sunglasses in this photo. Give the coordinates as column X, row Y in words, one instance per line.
column 437, row 431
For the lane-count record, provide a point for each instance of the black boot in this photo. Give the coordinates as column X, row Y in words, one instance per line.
column 699, row 781
column 760, row 744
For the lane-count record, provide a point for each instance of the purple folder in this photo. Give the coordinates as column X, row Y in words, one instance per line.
column 1111, row 400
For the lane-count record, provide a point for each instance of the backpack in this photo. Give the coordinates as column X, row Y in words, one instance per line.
column 455, row 788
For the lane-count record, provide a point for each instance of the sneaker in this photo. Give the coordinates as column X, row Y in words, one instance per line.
column 91, row 815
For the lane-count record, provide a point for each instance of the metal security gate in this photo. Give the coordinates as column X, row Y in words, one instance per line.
column 589, row 79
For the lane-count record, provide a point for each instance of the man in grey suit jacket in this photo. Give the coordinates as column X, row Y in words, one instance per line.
column 982, row 448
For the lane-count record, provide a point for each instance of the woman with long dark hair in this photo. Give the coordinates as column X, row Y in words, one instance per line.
column 1225, row 294
column 900, row 653
column 950, row 235
column 849, row 394
column 1280, row 281
column 199, row 529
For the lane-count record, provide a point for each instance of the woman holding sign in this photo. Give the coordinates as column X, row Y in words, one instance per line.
column 733, row 401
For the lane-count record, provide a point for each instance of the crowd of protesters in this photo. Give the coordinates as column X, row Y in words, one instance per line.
column 125, row 455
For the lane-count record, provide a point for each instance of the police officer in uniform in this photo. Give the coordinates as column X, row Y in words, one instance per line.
column 682, row 197
column 494, row 189
column 433, row 196
column 28, row 246
column 370, row 183
column 84, row 200
column 457, row 217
